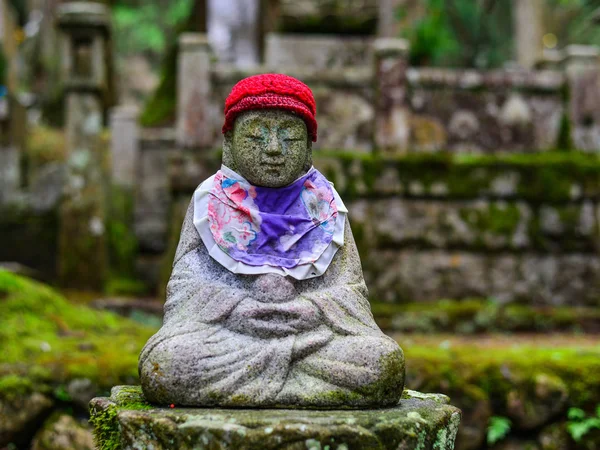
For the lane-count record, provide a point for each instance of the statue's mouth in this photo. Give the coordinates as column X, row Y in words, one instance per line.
column 274, row 164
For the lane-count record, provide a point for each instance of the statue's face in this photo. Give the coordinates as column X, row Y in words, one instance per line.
column 268, row 148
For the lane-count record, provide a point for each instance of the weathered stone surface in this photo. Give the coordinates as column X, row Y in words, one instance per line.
column 533, row 404
column 478, row 224
column 19, row 414
column 234, row 30
column 581, row 67
column 538, row 279
column 320, row 52
column 152, row 197
column 391, row 131
column 63, row 433
column 557, row 177
column 358, row 17
column 124, row 146
column 193, row 82
column 486, row 122
column 126, row 421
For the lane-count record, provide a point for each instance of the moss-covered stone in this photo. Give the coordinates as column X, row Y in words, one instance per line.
column 540, row 177
column 21, row 226
column 124, row 421
column 482, row 315
column 47, row 341
column 63, row 432
column 122, row 245
column 532, row 380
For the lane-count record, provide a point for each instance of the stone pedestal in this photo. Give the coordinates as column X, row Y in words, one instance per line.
column 126, row 421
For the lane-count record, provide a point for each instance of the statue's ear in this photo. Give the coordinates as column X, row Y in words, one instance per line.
column 309, row 161
column 228, row 159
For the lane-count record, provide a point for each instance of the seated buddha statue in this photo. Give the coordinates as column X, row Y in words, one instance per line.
column 266, row 304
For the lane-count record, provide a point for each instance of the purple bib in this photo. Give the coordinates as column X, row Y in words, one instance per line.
column 281, row 227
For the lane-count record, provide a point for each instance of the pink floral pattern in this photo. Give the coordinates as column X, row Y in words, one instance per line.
column 320, row 205
column 232, row 222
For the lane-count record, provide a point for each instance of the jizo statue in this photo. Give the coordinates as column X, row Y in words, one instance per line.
column 267, row 305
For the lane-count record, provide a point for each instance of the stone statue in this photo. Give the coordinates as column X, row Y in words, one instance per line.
column 267, row 305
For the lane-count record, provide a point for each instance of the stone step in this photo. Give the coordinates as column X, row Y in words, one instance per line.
column 127, row 421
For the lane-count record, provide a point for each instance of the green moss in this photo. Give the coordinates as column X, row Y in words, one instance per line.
column 106, row 428
column 565, row 140
column 541, row 177
column 412, row 423
column 12, row 386
column 121, row 239
column 160, row 109
column 479, row 315
column 501, row 219
column 82, row 253
column 61, row 341
column 499, row 367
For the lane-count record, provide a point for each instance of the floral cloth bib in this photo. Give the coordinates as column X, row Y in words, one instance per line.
column 253, row 229
column 281, row 227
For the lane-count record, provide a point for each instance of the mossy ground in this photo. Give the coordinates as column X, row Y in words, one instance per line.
column 47, row 341
column 475, row 315
column 496, row 362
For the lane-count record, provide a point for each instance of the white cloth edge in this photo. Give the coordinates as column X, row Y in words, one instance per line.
column 300, row 272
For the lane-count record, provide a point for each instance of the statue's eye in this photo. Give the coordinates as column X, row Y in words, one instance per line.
column 292, row 139
column 254, row 138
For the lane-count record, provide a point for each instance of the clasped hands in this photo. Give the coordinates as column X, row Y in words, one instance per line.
column 274, row 309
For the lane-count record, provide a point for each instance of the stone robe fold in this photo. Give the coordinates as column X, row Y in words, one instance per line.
column 247, row 341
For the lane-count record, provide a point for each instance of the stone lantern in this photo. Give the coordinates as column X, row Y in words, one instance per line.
column 84, row 34
column 84, row 37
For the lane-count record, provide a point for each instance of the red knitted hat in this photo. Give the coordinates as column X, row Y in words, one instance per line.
column 272, row 91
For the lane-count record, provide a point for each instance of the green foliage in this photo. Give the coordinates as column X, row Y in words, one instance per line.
column 579, row 424
column 160, row 108
column 148, row 26
column 61, row 393
column 125, row 286
column 462, row 33
column 573, row 21
column 498, row 429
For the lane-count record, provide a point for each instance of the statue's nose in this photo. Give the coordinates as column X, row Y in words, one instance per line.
column 274, row 147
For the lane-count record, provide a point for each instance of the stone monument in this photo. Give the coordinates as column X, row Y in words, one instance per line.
column 267, row 308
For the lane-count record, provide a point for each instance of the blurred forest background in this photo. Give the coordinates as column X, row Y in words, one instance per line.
column 471, row 170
